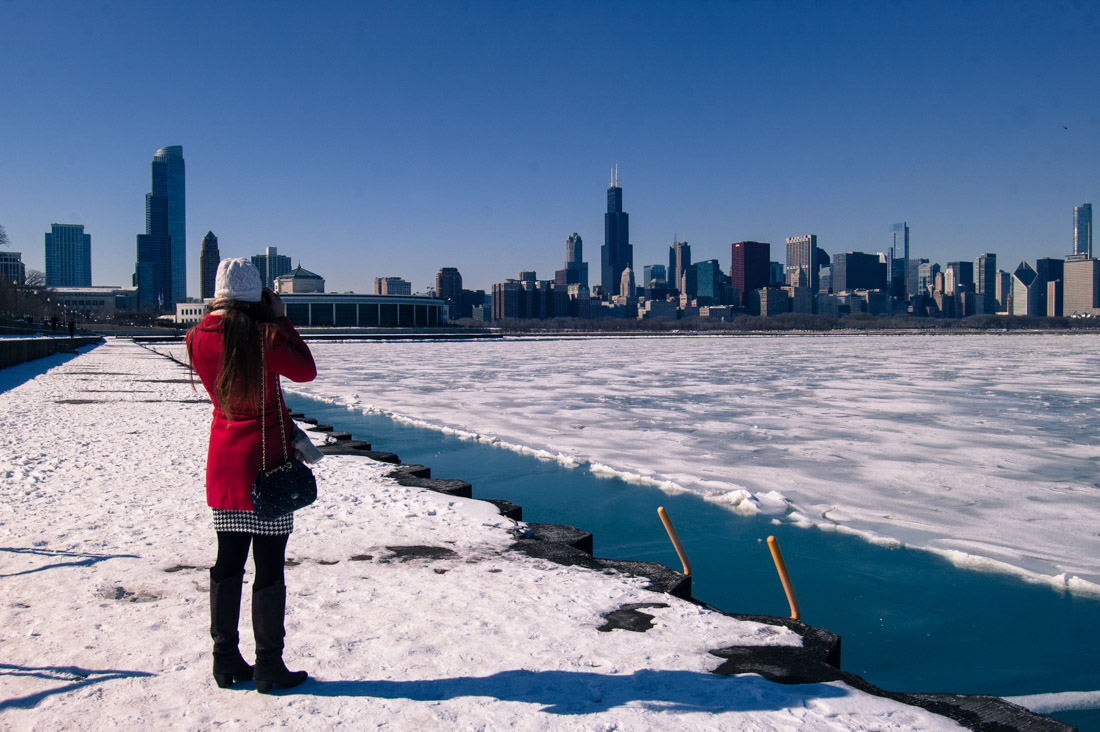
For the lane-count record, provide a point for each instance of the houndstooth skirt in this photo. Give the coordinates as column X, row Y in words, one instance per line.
column 247, row 522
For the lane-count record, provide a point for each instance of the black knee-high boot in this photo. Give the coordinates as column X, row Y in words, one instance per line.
column 268, row 610
column 225, row 613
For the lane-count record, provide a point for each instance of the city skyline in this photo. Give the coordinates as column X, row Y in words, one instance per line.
column 396, row 141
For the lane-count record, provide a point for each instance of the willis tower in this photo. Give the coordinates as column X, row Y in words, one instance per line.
column 617, row 254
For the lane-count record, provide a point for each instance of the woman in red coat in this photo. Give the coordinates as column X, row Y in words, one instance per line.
column 225, row 350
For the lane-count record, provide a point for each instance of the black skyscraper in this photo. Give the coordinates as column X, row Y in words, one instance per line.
column 617, row 253
column 749, row 268
column 209, row 258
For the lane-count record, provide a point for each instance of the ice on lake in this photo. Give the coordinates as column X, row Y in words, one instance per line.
column 980, row 447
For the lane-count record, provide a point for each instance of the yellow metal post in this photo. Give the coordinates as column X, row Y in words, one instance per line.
column 785, row 578
column 675, row 540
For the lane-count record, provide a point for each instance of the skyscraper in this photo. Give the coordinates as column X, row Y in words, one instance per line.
column 68, row 256
column 208, row 265
column 1081, row 295
column 576, row 270
column 651, row 272
column 627, row 288
column 898, row 270
column 1025, row 296
column 912, row 276
column 959, row 277
column 679, row 262
column 448, row 283
column 985, row 281
column 271, row 265
column 1003, row 293
column 617, row 253
column 802, row 261
column 1047, row 270
column 858, row 271
column 926, row 277
column 749, row 267
column 1082, row 229
column 161, row 270
column 708, row 282
column 985, row 272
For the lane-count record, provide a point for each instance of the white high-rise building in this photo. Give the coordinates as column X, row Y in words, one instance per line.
column 802, row 262
column 1082, row 229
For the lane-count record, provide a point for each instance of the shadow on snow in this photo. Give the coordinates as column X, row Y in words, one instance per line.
column 75, row 677
column 572, row 692
column 83, row 559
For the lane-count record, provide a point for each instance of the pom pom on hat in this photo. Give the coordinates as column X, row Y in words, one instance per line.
column 238, row 279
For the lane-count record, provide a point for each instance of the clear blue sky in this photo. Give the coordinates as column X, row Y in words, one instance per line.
column 368, row 139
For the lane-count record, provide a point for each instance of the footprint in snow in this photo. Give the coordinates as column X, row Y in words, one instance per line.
column 121, row 593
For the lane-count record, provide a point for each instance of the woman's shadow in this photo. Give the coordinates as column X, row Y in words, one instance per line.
column 579, row 692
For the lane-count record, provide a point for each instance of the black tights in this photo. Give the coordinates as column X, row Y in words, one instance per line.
column 268, row 554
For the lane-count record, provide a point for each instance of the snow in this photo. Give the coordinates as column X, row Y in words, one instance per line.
column 981, row 448
column 1064, row 701
column 104, row 540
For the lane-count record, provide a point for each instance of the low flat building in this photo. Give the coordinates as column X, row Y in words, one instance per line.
column 345, row 310
column 352, row 310
column 189, row 313
column 716, row 312
column 95, row 302
column 658, row 309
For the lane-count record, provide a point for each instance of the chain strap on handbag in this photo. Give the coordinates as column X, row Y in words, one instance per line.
column 290, row 486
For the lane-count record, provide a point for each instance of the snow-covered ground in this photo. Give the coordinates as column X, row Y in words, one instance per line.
column 983, row 448
column 104, row 536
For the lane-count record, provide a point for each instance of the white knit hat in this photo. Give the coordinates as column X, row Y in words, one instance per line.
column 238, row 279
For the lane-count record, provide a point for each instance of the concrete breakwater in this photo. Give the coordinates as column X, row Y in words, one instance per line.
column 20, row 350
column 817, row 660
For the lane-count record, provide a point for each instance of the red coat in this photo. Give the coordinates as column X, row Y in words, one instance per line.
column 234, row 454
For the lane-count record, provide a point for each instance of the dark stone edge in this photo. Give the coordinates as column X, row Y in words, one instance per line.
column 816, row 661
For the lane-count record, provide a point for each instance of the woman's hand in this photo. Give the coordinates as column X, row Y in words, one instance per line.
column 276, row 303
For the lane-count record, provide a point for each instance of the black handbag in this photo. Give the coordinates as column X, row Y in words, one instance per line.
column 290, row 486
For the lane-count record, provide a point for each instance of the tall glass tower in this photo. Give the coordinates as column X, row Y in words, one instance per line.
column 161, row 272
column 617, row 253
column 1082, row 229
column 985, row 273
column 898, row 270
column 68, row 256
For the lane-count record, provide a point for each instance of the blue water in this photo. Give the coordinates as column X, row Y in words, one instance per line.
column 910, row 621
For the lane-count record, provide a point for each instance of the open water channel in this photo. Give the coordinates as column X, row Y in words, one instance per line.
column 910, row 620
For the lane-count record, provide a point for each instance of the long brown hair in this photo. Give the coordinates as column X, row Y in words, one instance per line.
column 241, row 325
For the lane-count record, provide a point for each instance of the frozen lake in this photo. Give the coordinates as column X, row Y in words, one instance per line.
column 982, row 448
